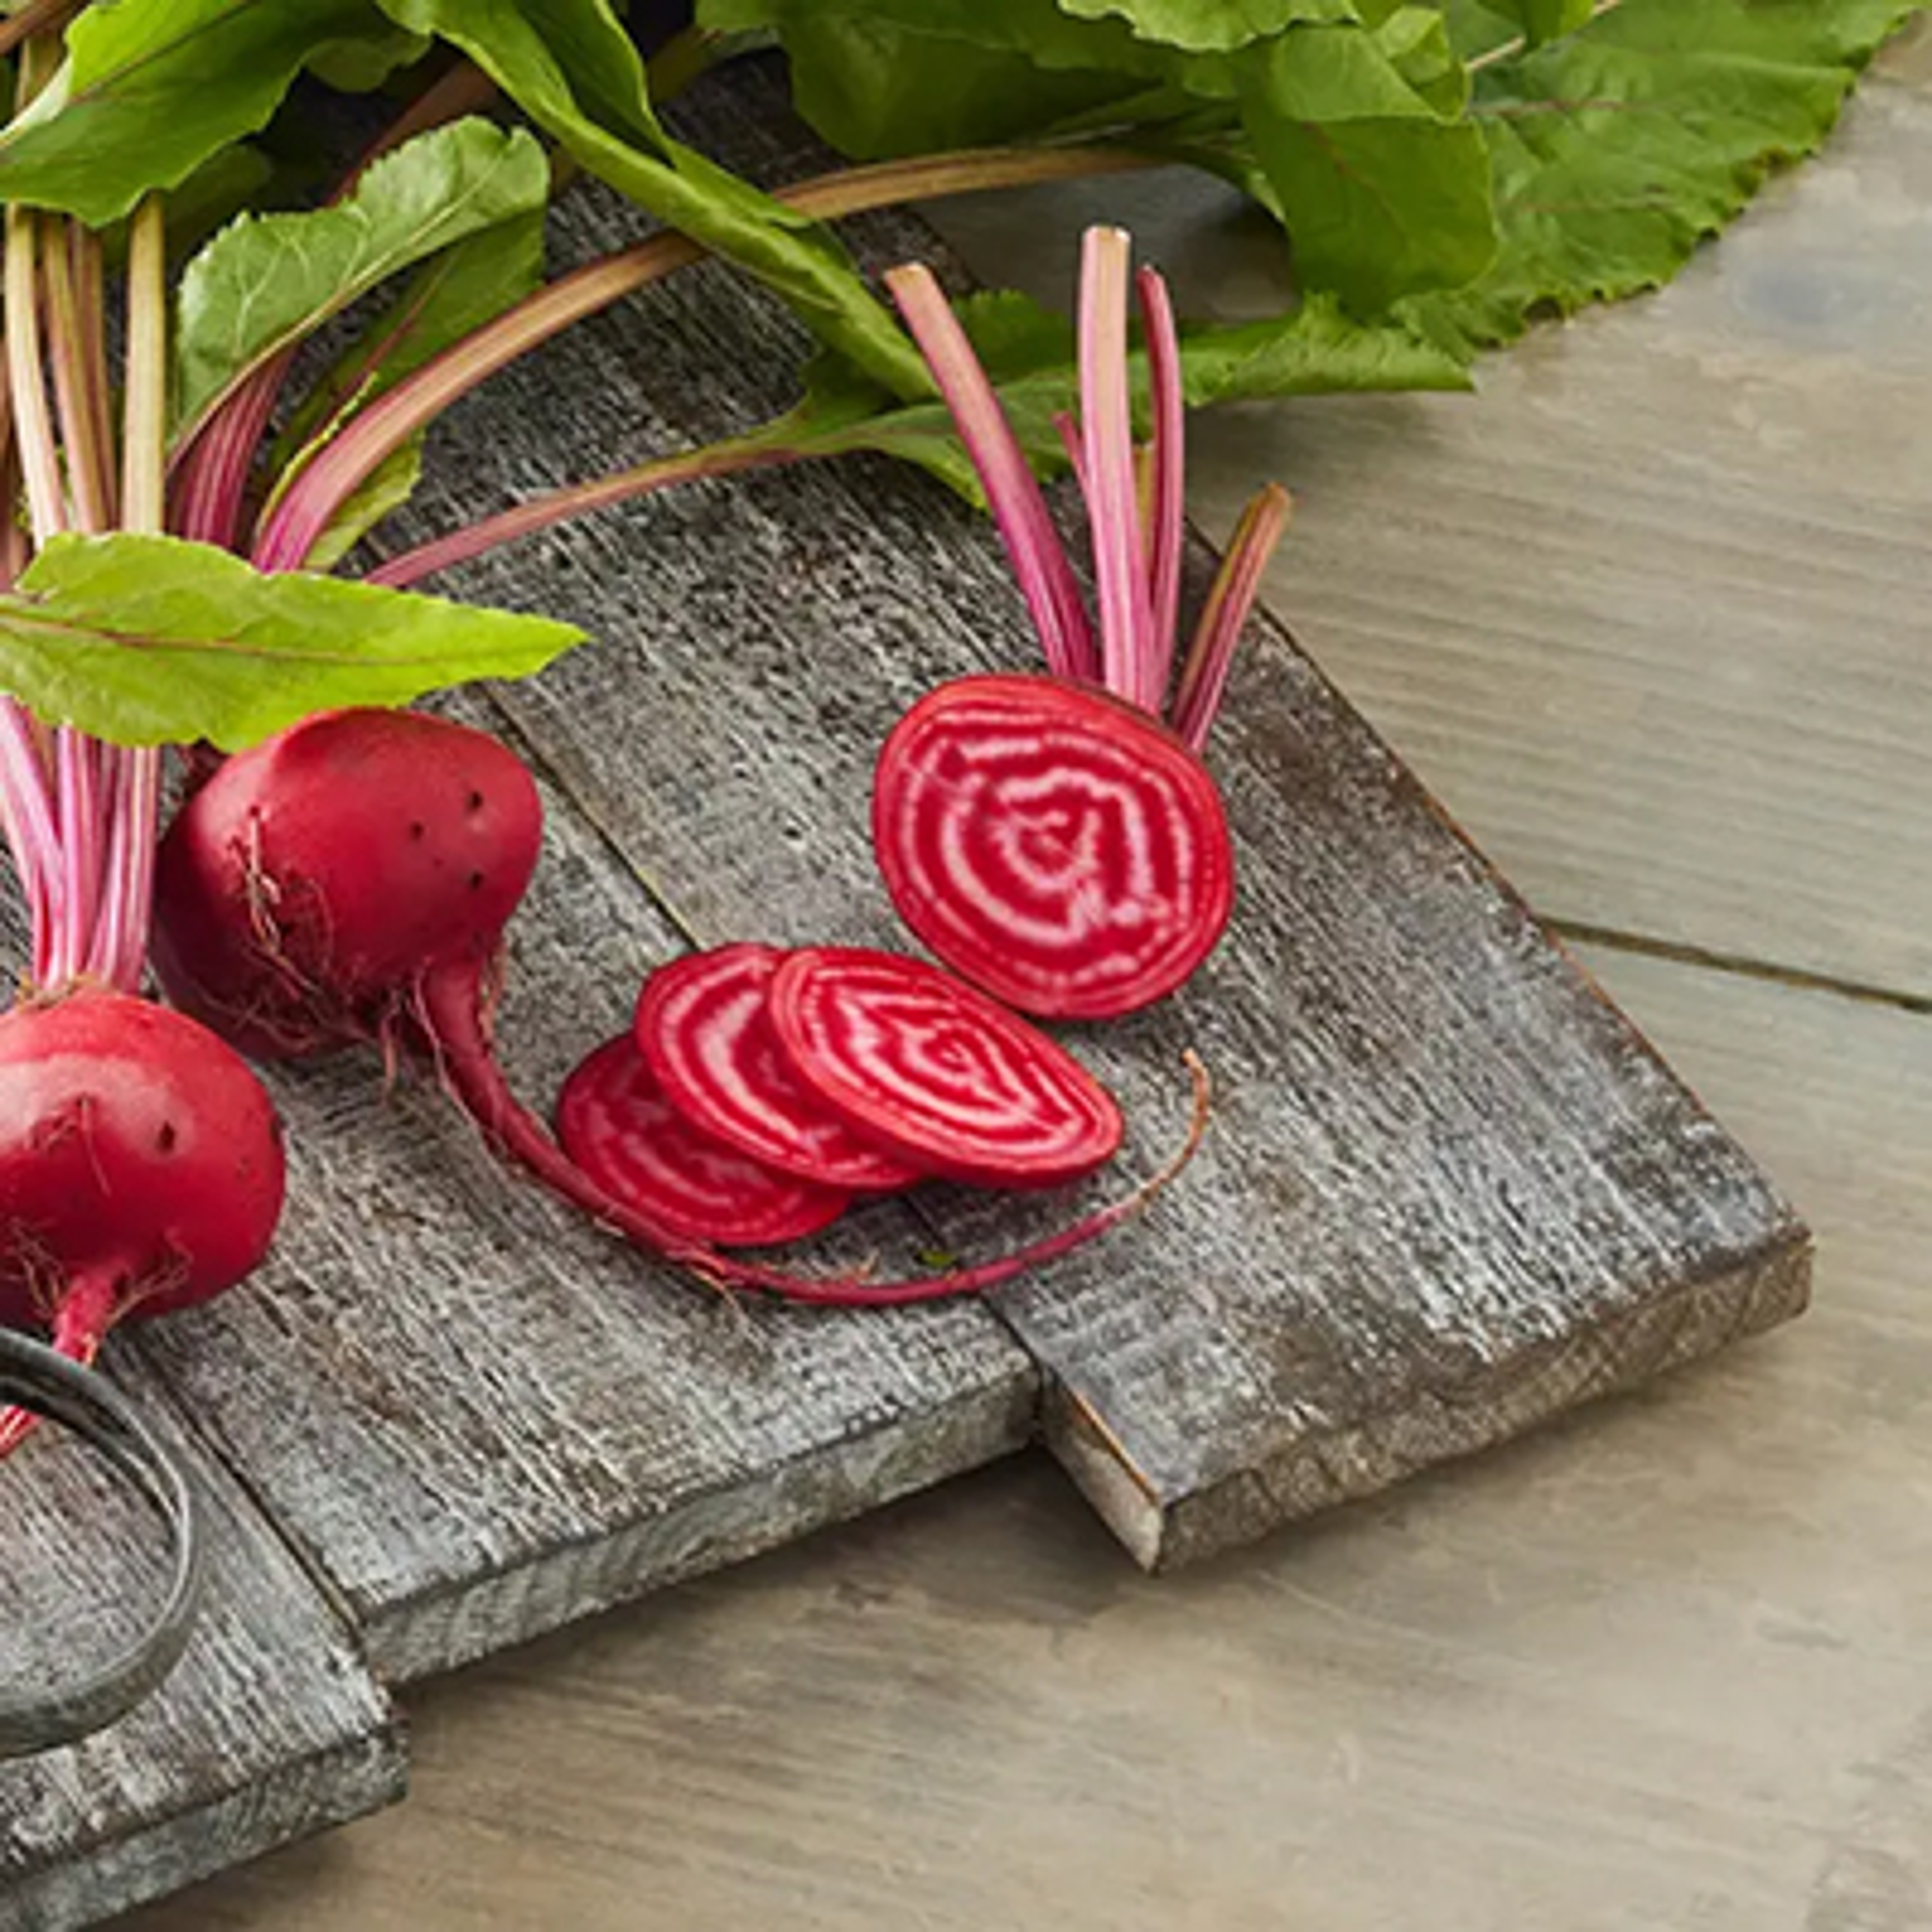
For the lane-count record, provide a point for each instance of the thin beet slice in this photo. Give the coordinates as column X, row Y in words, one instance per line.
column 1066, row 853
column 945, row 1077
column 701, row 1023
column 618, row 1125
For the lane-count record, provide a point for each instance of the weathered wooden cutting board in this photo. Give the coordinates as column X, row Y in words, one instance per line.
column 270, row 1729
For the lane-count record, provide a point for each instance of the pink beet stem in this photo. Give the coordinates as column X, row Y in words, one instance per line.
column 82, row 1318
column 34, row 429
column 1163, row 508
column 83, row 420
column 130, row 777
column 1068, row 425
column 77, row 769
column 1236, row 584
column 211, row 471
column 756, row 451
column 1106, row 427
column 1040, row 563
column 121, row 937
column 450, row 1010
column 34, row 811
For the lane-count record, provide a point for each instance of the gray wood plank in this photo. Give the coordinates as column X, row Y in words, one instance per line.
column 1650, row 609
column 1450, row 1192
column 1659, row 1667
column 270, row 1729
column 475, row 1416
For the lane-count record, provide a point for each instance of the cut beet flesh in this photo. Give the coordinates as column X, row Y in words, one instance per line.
column 617, row 1123
column 947, row 1079
column 1052, row 844
column 701, row 1024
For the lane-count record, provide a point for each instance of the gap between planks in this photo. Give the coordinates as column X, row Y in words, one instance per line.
column 1685, row 952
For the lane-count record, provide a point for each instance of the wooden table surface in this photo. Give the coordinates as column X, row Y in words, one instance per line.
column 1653, row 616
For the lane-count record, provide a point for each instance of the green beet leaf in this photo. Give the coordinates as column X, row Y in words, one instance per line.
column 149, row 92
column 361, row 65
column 1539, row 20
column 559, row 60
column 1615, row 151
column 1384, row 194
column 1212, row 26
column 881, row 78
column 146, row 641
column 877, row 89
column 266, row 281
column 1317, row 351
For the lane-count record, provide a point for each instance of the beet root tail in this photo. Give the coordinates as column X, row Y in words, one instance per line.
column 82, row 1318
column 450, row 1006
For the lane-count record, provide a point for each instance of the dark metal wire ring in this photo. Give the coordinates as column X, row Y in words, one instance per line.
column 36, row 1716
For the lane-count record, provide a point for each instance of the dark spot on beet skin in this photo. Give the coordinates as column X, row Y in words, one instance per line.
column 475, row 801
column 166, row 1139
column 476, row 882
column 419, row 831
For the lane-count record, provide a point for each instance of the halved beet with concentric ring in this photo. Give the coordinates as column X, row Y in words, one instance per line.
column 948, row 1080
column 619, row 1127
column 1061, row 850
column 701, row 1023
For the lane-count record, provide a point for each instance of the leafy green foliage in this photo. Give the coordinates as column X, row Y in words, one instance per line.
column 1540, row 20
column 1615, row 151
column 1589, row 156
column 1316, row 351
column 1212, row 26
column 879, row 78
column 875, row 89
column 149, row 92
column 362, row 64
column 1383, row 193
column 267, row 281
column 145, row 641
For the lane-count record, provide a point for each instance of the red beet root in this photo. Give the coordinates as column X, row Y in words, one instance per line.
column 140, row 1168
column 306, row 890
column 701, row 1023
column 1066, row 853
column 617, row 1124
column 943, row 1076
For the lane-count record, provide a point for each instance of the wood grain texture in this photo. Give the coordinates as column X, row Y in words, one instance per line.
column 1662, row 1665
column 270, row 1729
column 1448, row 1195
column 475, row 1416
column 1650, row 610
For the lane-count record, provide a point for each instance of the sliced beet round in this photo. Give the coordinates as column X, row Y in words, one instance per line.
column 1054, row 845
column 617, row 1124
column 948, row 1079
column 701, row 1023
